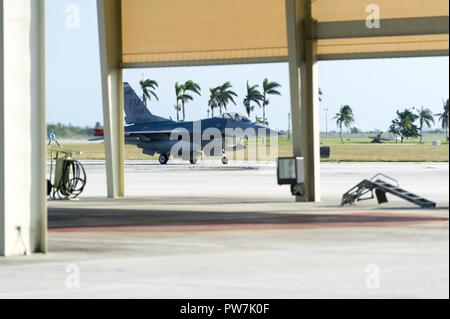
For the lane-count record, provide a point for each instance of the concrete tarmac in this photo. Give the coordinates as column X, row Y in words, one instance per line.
column 257, row 180
column 230, row 232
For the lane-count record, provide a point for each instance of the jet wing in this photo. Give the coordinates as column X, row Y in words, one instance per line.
column 154, row 135
column 155, row 132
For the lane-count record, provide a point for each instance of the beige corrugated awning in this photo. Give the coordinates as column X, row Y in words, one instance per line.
column 162, row 31
column 408, row 28
column 178, row 32
column 350, row 10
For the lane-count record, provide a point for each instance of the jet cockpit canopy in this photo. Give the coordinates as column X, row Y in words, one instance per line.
column 236, row 117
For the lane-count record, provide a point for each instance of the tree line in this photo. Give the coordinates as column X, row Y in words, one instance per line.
column 70, row 131
column 220, row 97
column 408, row 124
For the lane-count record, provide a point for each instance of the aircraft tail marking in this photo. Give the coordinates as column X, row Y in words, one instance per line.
column 135, row 109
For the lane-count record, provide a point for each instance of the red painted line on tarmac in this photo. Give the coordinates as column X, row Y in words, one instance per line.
column 217, row 226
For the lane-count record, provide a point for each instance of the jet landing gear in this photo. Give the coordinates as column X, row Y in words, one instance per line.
column 224, row 158
column 163, row 159
column 193, row 160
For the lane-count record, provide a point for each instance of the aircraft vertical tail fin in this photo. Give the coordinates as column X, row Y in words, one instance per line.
column 135, row 109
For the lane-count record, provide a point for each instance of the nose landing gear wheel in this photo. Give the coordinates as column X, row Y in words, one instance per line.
column 163, row 159
column 225, row 160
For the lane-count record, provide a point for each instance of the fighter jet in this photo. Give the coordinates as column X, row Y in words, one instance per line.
column 378, row 139
column 187, row 140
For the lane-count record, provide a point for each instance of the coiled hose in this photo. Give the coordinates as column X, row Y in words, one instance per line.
column 72, row 183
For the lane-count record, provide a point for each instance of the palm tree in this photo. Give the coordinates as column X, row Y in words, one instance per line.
column 426, row 118
column 148, row 88
column 213, row 99
column 404, row 125
column 181, row 92
column 260, row 121
column 444, row 119
column 178, row 109
column 180, row 97
column 253, row 97
column 225, row 95
column 269, row 88
column 345, row 118
column 189, row 86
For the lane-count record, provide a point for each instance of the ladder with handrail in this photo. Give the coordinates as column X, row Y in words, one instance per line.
column 379, row 186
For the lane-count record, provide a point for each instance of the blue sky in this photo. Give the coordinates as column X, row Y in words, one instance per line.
column 374, row 88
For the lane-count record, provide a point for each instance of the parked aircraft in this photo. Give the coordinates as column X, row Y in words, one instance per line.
column 188, row 140
column 378, row 139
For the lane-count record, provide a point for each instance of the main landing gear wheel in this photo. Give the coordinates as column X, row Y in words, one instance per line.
column 163, row 159
column 225, row 160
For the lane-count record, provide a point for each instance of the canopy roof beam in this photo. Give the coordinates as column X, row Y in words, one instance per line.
column 388, row 27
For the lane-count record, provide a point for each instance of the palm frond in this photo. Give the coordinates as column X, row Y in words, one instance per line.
column 154, row 94
column 193, row 87
column 148, row 89
column 273, row 92
column 186, row 97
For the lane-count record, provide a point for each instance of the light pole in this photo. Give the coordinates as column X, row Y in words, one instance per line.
column 326, row 122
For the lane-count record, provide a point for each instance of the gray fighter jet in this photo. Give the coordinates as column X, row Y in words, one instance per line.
column 378, row 139
column 186, row 140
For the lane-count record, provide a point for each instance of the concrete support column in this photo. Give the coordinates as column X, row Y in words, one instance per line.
column 23, row 210
column 304, row 94
column 110, row 37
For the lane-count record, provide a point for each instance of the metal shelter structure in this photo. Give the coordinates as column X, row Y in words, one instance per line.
column 154, row 33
